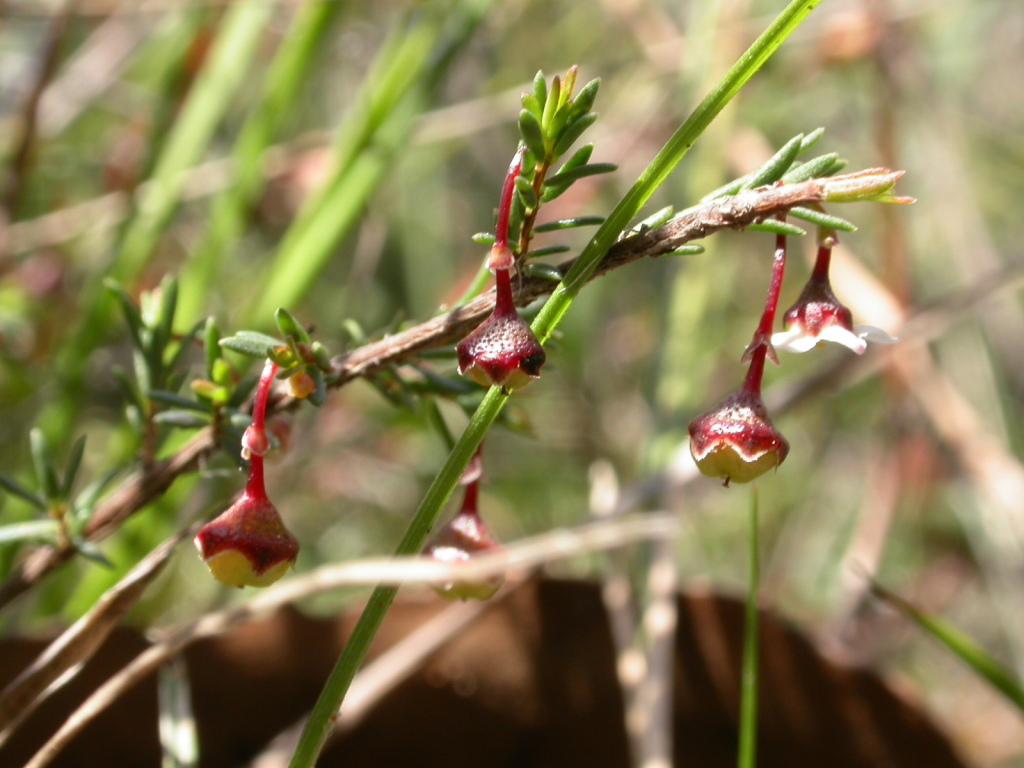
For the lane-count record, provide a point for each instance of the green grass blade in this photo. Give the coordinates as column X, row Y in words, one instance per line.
column 284, row 80
column 395, row 92
column 444, row 483
column 213, row 93
column 747, row 757
column 962, row 646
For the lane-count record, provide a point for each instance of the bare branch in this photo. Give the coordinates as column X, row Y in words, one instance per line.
column 517, row 558
column 61, row 660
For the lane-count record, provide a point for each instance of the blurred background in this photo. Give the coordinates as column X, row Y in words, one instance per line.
column 387, row 128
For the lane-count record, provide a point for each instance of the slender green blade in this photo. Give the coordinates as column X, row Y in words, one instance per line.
column 444, row 483
column 284, row 81
column 747, row 757
column 397, row 89
column 961, row 645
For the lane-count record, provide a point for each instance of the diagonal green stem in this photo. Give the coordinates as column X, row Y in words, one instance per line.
column 444, row 483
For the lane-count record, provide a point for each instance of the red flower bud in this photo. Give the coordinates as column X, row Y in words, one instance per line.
column 736, row 440
column 248, row 545
column 466, row 535
column 502, row 351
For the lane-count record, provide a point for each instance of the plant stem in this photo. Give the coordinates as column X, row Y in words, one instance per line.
column 444, row 483
column 761, row 346
column 348, row 664
column 748, row 686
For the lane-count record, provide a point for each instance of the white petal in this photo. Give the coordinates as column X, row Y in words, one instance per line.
column 874, row 335
column 840, row 335
column 794, row 340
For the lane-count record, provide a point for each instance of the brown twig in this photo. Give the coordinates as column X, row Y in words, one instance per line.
column 146, row 485
column 49, row 58
column 515, row 560
column 65, row 656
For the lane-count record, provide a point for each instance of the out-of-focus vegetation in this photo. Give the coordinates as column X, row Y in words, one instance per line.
column 389, row 126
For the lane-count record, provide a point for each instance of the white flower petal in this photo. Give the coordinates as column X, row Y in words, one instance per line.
column 794, row 340
column 874, row 335
column 840, row 335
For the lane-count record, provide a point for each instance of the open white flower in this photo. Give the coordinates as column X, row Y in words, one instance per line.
column 798, row 337
column 818, row 317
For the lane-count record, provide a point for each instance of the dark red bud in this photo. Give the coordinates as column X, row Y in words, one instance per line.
column 248, row 544
column 462, row 538
column 736, row 440
column 502, row 351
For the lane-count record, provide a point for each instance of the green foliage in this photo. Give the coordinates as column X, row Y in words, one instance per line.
column 328, row 157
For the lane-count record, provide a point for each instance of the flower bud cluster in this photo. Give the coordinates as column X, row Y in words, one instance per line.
column 736, row 440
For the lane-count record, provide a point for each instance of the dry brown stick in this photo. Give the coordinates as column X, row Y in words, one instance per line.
column 146, row 485
column 62, row 659
column 49, row 58
column 514, row 560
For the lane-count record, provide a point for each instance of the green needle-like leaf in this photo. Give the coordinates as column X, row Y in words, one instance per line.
column 962, row 646
column 572, row 131
column 251, row 343
column 15, row 488
column 565, row 178
column 533, row 136
column 777, row 228
column 42, row 459
column 823, row 165
column 40, row 531
column 778, row 164
column 822, row 219
column 73, row 465
column 578, row 221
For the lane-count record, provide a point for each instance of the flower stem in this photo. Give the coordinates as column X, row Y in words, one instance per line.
column 501, row 256
column 760, row 347
column 822, row 262
column 254, row 485
column 469, row 501
column 749, row 682
column 504, row 303
column 259, row 406
column 505, row 206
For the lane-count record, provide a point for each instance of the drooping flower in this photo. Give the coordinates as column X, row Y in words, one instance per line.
column 459, row 540
column 736, row 440
column 503, row 350
column 248, row 544
column 817, row 316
